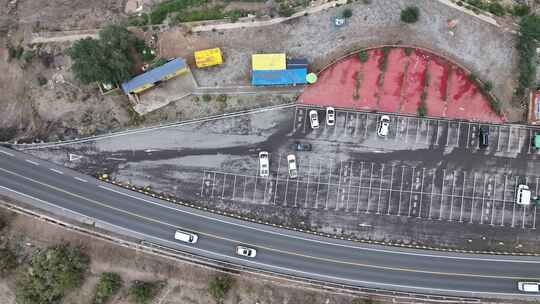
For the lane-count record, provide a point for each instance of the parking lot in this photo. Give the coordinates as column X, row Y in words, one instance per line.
column 359, row 187
column 414, row 132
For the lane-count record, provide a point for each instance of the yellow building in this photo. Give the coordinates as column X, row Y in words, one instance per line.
column 209, row 57
column 268, row 62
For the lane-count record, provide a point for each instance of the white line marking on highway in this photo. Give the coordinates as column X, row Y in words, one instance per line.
column 7, row 153
column 32, row 162
column 57, row 171
column 80, row 179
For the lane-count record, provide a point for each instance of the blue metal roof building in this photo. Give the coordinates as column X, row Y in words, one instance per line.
column 279, row 77
column 151, row 78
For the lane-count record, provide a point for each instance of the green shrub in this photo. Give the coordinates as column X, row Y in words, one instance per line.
column 408, row 51
column 363, row 56
column 495, row 106
column 109, row 284
column 384, row 63
column 347, row 13
column 410, row 14
column 27, row 56
column 488, row 86
column 521, row 10
column 219, row 287
column 200, row 15
column 422, row 109
column 52, row 272
column 143, row 292
column 221, row 98
column 5, row 135
column 473, row 77
column 206, row 97
column 285, row 10
column 15, row 52
column 41, row 80
column 496, row 9
column 8, row 261
column 161, row 11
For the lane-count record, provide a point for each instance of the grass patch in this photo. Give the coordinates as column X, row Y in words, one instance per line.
column 109, row 284
column 162, row 10
column 219, row 287
column 363, row 56
column 529, row 28
column 207, row 97
column 8, row 261
column 142, row 292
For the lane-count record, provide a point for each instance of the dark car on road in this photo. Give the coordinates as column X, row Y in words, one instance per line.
column 299, row 146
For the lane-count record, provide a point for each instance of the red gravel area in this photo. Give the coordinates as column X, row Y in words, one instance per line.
column 448, row 89
column 393, row 81
column 414, row 83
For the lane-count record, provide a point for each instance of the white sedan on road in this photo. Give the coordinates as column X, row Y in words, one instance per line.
column 245, row 251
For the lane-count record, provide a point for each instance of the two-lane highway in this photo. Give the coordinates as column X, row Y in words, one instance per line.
column 55, row 188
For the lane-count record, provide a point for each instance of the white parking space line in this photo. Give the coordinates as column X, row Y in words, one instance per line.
column 380, row 189
column 355, row 125
column 514, row 205
column 431, row 195
column 276, row 178
column 286, row 190
column 462, row 197
column 213, row 183
column 391, row 190
column 483, row 199
column 504, row 198
column 473, row 198
column 369, row 190
column 234, row 188
column 534, row 213
column 421, row 193
column 318, row 184
column 411, row 192
column 442, row 195
column 223, row 188
column 255, row 187
column 498, row 138
column 468, row 135
column 359, row 187
column 366, row 125
column 493, row 200
column 401, row 190
column 339, row 184
column 351, row 175
column 406, row 129
column 427, row 131
column 329, row 182
column 202, row 183
column 296, row 191
column 437, row 134
column 80, row 179
column 452, row 197
column 508, row 144
column 304, row 122
column 458, row 133
column 307, row 184
column 295, row 121
column 418, row 130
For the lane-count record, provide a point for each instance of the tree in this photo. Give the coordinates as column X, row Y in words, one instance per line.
column 219, row 287
column 52, row 273
column 410, row 14
column 109, row 284
column 106, row 60
column 347, row 13
column 363, row 56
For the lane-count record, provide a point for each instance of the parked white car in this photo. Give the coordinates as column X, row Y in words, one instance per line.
column 384, row 125
column 330, row 116
column 245, row 251
column 314, row 119
column 264, row 164
column 293, row 171
column 523, row 196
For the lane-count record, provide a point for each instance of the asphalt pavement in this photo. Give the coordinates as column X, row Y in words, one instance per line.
column 58, row 189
